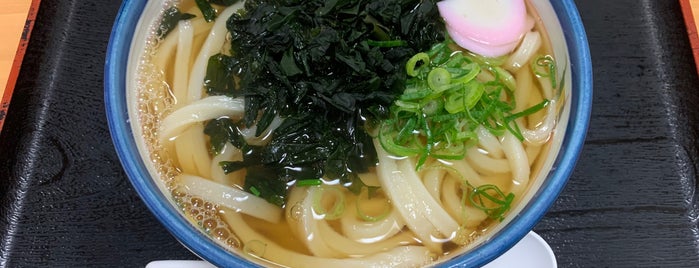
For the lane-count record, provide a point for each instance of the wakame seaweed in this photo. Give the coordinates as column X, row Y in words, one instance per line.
column 209, row 11
column 170, row 19
column 330, row 69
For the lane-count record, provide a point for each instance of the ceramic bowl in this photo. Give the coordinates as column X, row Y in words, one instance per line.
column 567, row 35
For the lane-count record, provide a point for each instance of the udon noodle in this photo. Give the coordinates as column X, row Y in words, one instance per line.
column 416, row 217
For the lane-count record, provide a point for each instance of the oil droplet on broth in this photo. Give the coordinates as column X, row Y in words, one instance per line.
column 296, row 212
column 210, row 224
column 197, row 202
column 220, row 233
column 233, row 242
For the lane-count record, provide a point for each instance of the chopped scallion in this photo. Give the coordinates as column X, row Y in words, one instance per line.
column 443, row 103
column 254, row 191
column 309, row 182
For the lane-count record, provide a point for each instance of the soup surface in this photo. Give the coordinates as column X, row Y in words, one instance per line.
column 342, row 133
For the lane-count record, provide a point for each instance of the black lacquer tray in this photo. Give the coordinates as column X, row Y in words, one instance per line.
column 65, row 201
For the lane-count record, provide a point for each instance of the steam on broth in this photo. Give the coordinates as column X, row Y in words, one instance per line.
column 411, row 167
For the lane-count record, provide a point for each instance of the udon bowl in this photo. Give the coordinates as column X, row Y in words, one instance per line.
column 569, row 42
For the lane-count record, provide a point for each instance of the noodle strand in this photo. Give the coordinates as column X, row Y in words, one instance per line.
column 212, row 45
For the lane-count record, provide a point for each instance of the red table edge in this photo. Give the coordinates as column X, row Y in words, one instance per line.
column 17, row 62
column 691, row 29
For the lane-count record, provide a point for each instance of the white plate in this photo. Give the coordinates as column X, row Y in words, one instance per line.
column 530, row 252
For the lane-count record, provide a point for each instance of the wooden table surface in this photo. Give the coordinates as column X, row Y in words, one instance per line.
column 13, row 15
column 17, row 21
column 690, row 11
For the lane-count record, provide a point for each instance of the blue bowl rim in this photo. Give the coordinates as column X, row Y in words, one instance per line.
column 120, row 130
